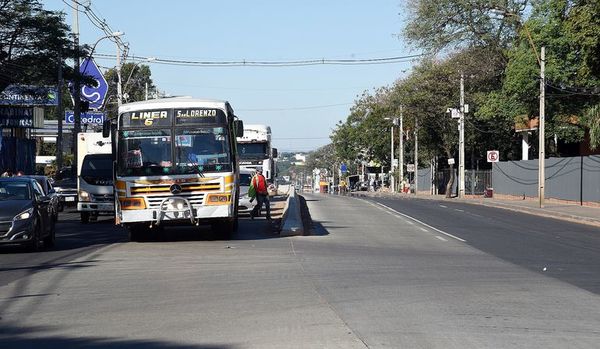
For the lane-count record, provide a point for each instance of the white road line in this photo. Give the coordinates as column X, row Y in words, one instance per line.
column 441, row 238
column 425, row 230
column 443, row 206
column 422, row 223
column 459, row 210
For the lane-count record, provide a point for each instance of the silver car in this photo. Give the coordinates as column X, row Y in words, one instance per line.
column 245, row 206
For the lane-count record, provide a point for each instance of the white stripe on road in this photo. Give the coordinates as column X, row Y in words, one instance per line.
column 443, row 206
column 425, row 230
column 422, row 223
column 441, row 238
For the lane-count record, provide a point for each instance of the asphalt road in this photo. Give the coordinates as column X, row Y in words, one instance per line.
column 368, row 277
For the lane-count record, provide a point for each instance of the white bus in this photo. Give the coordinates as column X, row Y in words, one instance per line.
column 176, row 164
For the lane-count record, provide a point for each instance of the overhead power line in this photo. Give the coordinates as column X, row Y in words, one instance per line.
column 290, row 63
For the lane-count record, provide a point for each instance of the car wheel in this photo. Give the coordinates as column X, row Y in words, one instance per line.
column 85, row 217
column 50, row 240
column 35, row 244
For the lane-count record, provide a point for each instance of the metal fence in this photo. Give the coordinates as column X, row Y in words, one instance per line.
column 476, row 181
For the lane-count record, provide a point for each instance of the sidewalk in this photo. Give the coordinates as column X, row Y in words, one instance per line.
column 560, row 210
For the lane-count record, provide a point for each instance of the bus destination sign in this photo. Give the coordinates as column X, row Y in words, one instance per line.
column 199, row 116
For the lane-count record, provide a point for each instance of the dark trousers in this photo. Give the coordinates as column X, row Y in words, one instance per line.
column 260, row 199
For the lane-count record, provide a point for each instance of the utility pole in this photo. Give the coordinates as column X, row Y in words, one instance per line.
column 416, row 156
column 392, row 166
column 461, row 139
column 59, row 111
column 401, row 145
column 542, row 140
column 76, row 84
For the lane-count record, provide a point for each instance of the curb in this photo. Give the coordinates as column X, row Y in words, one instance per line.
column 292, row 219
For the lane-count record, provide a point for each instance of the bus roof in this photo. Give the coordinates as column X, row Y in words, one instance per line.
column 175, row 102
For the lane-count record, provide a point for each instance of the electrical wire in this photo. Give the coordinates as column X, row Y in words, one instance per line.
column 290, row 63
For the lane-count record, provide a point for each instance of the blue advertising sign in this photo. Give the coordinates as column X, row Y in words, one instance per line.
column 28, row 95
column 343, row 168
column 91, row 117
column 94, row 94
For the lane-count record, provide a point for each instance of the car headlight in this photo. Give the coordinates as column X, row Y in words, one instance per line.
column 24, row 215
column 84, row 196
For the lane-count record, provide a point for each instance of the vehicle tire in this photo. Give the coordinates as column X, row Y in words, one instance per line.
column 223, row 229
column 136, row 232
column 35, row 244
column 50, row 240
column 85, row 217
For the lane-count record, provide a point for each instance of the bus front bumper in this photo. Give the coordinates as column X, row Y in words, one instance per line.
column 184, row 216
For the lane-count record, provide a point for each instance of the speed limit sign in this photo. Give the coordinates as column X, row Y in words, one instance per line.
column 493, row 156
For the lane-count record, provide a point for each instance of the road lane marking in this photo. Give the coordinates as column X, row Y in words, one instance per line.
column 422, row 223
column 423, row 229
column 441, row 238
column 459, row 210
column 443, row 206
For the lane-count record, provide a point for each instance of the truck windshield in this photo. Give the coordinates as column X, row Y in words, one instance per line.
column 252, row 150
column 97, row 167
column 202, row 149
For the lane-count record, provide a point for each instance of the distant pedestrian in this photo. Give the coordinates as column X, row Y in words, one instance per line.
column 259, row 182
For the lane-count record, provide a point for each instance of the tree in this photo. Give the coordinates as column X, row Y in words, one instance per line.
column 134, row 78
column 435, row 25
column 31, row 42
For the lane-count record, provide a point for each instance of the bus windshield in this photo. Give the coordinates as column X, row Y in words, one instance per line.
column 145, row 152
column 202, row 149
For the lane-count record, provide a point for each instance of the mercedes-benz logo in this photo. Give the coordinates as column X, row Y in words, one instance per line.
column 175, row 189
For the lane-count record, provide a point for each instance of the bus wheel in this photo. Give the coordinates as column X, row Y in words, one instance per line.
column 224, row 228
column 136, row 232
column 85, row 217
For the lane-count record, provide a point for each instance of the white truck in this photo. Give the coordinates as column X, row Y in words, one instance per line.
column 94, row 176
column 255, row 151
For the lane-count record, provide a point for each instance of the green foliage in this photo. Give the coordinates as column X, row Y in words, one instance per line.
column 31, row 42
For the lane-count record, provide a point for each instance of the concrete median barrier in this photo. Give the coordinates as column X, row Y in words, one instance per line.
column 292, row 219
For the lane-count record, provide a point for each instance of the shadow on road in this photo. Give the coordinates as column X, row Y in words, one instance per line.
column 17, row 337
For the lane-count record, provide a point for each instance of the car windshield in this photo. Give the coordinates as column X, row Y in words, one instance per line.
column 145, row 152
column 14, row 191
column 245, row 179
column 202, row 149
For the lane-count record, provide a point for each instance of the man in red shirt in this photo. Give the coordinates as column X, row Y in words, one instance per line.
column 262, row 195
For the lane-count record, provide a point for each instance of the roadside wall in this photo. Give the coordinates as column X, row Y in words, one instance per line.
column 573, row 179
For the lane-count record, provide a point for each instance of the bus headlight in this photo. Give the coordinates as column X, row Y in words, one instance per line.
column 218, row 199
column 132, row 203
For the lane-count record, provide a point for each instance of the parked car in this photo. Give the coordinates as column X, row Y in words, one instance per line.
column 50, row 192
column 245, row 206
column 25, row 213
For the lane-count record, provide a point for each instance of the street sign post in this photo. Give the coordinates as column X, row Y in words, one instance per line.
column 92, row 118
column 493, row 156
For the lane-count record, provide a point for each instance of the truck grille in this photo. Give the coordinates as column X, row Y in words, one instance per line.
column 103, row 198
column 185, row 188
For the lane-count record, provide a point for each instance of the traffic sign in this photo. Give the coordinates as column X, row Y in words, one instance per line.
column 410, row 167
column 493, row 156
column 95, row 118
column 343, row 168
column 94, row 94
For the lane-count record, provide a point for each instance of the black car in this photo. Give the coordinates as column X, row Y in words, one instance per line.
column 50, row 192
column 25, row 213
column 66, row 189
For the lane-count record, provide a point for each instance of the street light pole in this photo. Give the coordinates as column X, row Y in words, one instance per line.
column 416, row 156
column 392, row 165
column 119, row 82
column 401, row 145
column 542, row 140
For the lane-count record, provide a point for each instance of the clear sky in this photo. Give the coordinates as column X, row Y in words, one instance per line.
column 301, row 104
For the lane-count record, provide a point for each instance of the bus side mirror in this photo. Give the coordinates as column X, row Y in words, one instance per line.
column 239, row 128
column 106, row 129
column 274, row 152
